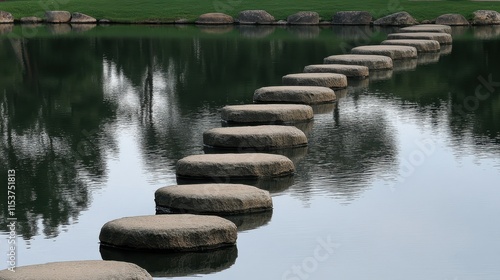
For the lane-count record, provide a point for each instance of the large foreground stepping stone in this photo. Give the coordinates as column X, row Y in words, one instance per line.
column 427, row 28
column 294, row 94
column 350, row 71
column 262, row 137
column 78, row 270
column 235, row 166
column 421, row 45
column 179, row 232
column 373, row 62
column 394, row 52
column 329, row 80
column 442, row 38
column 267, row 113
column 217, row 199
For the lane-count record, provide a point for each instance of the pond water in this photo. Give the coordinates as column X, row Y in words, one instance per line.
column 400, row 180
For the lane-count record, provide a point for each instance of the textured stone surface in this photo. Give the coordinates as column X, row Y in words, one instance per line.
column 266, row 113
column 215, row 18
column 255, row 17
column 179, row 232
column 352, row 18
column 485, row 17
column 422, row 46
column 57, row 16
column 82, row 18
column 31, row 20
column 242, row 165
column 396, row 19
column 330, row 80
column 217, row 199
column 294, row 94
column 6, row 17
column 373, row 62
column 452, row 19
column 427, row 28
column 347, row 70
column 78, row 270
column 303, row 18
column 442, row 38
column 262, row 137
column 394, row 52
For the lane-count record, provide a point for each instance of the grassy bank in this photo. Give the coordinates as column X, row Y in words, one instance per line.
column 129, row 10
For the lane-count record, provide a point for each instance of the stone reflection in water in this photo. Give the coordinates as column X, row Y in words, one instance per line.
column 256, row 31
column 250, row 221
column 6, row 28
column 326, row 108
column 83, row 27
column 486, row 32
column 380, row 75
column 273, row 185
column 175, row 264
column 58, row 29
column 405, row 65
column 216, row 29
column 304, row 32
column 428, row 58
column 294, row 154
column 445, row 50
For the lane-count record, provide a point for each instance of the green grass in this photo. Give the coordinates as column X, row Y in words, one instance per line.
column 165, row 10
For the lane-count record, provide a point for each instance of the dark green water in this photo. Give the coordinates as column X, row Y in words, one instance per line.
column 400, row 180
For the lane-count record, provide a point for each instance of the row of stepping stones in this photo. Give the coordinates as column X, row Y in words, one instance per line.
column 198, row 216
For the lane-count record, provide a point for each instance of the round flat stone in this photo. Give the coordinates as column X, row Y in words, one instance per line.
column 420, row 45
column 218, row 199
column 268, row 137
column 244, row 165
column 266, row 113
column 329, row 80
column 427, row 28
column 442, row 38
column 179, row 232
column 394, row 52
column 356, row 71
column 78, row 270
column 294, row 94
column 373, row 62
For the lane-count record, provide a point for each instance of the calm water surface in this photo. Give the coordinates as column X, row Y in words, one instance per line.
column 400, row 181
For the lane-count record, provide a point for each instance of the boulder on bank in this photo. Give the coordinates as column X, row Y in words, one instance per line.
column 485, row 17
column 28, row 20
column 6, row 17
column 82, row 18
column 303, row 18
column 352, row 18
column 215, row 18
column 396, row 19
column 255, row 17
column 57, row 16
column 452, row 19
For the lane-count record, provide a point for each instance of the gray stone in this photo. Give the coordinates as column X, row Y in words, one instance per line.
column 78, row 270
column 373, row 62
column 303, row 18
column 281, row 22
column 217, row 199
column 330, row 80
column 242, row 165
column 485, row 17
column 82, row 18
column 266, row 113
column 104, row 21
column 262, row 137
column 6, row 17
column 30, row 20
column 57, row 16
column 352, row 18
column 294, row 94
column 396, row 19
column 452, row 19
column 422, row 46
column 182, row 21
column 356, row 71
column 394, row 52
column 215, row 18
column 176, row 232
column 255, row 17
column 442, row 38
column 427, row 28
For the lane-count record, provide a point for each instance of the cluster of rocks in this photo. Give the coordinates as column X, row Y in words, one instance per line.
column 50, row 17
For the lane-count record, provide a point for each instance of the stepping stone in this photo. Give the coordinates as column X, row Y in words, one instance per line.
column 262, row 137
column 78, row 270
column 217, row 199
column 373, row 62
column 394, row 52
column 329, row 80
column 421, row 45
column 442, row 38
column 177, row 232
column 266, row 113
column 294, row 94
column 427, row 28
column 350, row 71
column 236, row 166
